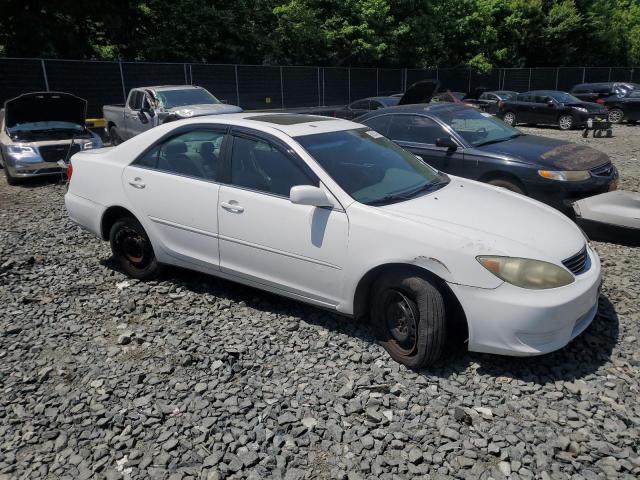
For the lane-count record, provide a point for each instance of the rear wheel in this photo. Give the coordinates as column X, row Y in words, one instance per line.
column 408, row 313
column 509, row 118
column 132, row 249
column 615, row 115
column 113, row 134
column 506, row 184
column 565, row 122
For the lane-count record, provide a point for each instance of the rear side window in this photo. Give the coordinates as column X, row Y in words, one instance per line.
column 192, row 154
column 259, row 165
column 415, row 128
column 523, row 98
column 379, row 124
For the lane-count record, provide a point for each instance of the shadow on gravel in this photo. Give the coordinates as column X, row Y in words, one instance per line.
column 583, row 356
column 38, row 182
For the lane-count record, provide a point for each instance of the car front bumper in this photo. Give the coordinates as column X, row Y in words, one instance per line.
column 509, row 320
column 33, row 169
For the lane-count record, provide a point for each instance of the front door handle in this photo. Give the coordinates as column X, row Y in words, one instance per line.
column 137, row 183
column 232, row 207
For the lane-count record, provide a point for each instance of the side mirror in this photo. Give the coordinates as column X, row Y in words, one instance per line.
column 309, row 195
column 143, row 118
column 551, row 103
column 446, row 142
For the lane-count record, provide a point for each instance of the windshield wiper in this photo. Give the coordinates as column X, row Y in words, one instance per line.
column 498, row 140
column 396, row 197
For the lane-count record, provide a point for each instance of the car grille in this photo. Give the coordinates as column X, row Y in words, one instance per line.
column 603, row 171
column 577, row 264
column 53, row 153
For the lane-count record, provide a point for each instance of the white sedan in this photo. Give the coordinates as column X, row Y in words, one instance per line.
column 331, row 213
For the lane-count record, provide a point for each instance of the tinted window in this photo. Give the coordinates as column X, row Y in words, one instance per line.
column 189, row 96
column 360, row 105
column 258, row 165
column 371, row 168
column 135, row 100
column 415, row 128
column 523, row 98
column 194, row 154
column 379, row 124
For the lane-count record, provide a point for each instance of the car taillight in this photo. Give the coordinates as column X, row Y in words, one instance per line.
column 69, row 171
column 500, row 104
column 600, row 101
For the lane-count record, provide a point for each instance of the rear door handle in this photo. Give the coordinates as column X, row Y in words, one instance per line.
column 232, row 207
column 137, row 183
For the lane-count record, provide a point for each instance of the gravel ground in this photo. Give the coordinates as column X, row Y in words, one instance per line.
column 194, row 377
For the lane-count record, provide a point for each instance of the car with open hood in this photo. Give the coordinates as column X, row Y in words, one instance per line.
column 466, row 142
column 40, row 131
column 332, row 213
column 550, row 107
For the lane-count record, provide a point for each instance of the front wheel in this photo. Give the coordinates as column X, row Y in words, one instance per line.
column 507, row 185
column 408, row 313
column 115, row 138
column 615, row 115
column 565, row 122
column 509, row 118
column 132, row 249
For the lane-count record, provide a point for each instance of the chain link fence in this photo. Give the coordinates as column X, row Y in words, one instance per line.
column 273, row 87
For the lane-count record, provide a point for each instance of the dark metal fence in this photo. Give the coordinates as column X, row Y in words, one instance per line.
column 265, row 87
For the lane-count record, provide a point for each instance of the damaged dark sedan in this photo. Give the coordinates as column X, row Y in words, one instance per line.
column 40, row 131
column 465, row 142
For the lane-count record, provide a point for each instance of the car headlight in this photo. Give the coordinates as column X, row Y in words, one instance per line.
column 21, row 150
column 565, row 175
column 581, row 109
column 527, row 273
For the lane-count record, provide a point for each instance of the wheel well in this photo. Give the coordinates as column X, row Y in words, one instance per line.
column 456, row 317
column 487, row 177
column 110, row 217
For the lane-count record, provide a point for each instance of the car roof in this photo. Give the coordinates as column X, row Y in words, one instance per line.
column 291, row 124
column 170, row 87
column 428, row 108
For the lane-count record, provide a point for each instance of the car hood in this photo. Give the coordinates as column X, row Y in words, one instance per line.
column 590, row 106
column 548, row 152
column 420, row 92
column 45, row 107
column 494, row 221
column 204, row 109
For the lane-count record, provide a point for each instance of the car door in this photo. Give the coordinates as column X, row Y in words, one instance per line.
column 546, row 109
column 266, row 239
column 131, row 110
column 418, row 134
column 524, row 108
column 174, row 191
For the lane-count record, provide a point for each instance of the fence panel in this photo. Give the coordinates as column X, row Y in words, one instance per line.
column 335, row 86
column 596, row 74
column 489, row 80
column 364, row 83
column 80, row 78
column 454, row 79
column 415, row 75
column 390, row 81
column 623, row 75
column 543, row 78
column 301, row 86
column 19, row 76
column 569, row 76
column 146, row 74
column 220, row 80
column 516, row 79
column 260, row 87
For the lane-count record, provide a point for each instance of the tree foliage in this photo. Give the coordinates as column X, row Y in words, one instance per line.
column 480, row 33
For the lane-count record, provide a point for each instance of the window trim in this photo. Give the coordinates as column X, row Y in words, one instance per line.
column 222, row 129
column 274, row 142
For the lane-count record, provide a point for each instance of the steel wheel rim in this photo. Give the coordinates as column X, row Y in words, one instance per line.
column 401, row 321
column 615, row 116
column 566, row 122
column 133, row 247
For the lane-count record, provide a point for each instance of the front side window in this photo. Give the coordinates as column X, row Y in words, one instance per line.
column 258, row 165
column 476, row 127
column 193, row 154
column 563, row 97
column 415, row 128
column 189, row 96
column 370, row 168
column 135, row 100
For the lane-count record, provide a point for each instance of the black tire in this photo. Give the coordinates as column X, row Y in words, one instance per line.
column 565, row 122
column 132, row 249
column 11, row 180
column 507, row 184
column 113, row 135
column 510, row 119
column 585, row 133
column 609, row 133
column 408, row 313
column 597, row 133
column 615, row 115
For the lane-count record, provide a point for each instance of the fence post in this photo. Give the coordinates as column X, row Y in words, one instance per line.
column 44, row 74
column 529, row 88
column 631, row 75
column 186, row 80
column 609, row 79
column 318, row 68
column 469, row 89
column 557, row 74
column 190, row 75
column 406, row 74
column 584, row 71
column 323, row 97
column 377, row 84
column 124, row 90
column 281, row 90
column 349, row 82
column 235, row 67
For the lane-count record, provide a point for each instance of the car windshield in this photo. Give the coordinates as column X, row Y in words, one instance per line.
column 563, row 97
column 477, row 128
column 45, row 126
column 371, row 168
column 190, row 96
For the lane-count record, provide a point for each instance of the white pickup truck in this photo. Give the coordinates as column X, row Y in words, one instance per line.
column 148, row 107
